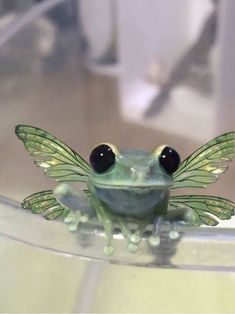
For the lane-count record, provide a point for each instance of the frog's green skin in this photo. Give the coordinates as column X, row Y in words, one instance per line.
column 135, row 188
column 133, row 192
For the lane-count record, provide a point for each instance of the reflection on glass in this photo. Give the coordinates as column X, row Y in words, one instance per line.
column 49, row 79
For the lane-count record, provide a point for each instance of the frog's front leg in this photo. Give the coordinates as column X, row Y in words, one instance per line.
column 137, row 235
column 76, row 200
column 154, row 239
column 178, row 218
column 133, row 238
column 105, row 217
column 161, row 212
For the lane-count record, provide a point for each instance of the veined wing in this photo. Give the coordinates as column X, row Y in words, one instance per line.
column 206, row 164
column 55, row 158
column 45, row 204
column 204, row 207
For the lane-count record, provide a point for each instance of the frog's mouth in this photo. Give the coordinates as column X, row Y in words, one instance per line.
column 123, row 186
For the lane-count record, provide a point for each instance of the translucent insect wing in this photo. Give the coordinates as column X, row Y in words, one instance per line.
column 206, row 164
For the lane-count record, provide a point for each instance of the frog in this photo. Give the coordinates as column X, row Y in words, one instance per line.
column 128, row 189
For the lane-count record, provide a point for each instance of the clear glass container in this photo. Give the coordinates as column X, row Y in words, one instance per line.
column 80, row 82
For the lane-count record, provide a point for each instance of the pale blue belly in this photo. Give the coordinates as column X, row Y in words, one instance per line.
column 138, row 202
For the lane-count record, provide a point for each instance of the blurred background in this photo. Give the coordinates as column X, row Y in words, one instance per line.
column 134, row 73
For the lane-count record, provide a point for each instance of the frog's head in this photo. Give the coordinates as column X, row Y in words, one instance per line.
column 132, row 168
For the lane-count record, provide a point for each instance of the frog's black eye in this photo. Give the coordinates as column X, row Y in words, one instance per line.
column 169, row 160
column 102, row 158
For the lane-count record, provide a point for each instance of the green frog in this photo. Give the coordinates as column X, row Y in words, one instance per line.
column 129, row 189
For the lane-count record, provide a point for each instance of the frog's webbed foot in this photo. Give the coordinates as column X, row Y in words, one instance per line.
column 188, row 219
column 133, row 238
column 107, row 221
column 174, row 233
column 77, row 202
column 180, row 218
column 154, row 239
column 108, row 229
column 74, row 219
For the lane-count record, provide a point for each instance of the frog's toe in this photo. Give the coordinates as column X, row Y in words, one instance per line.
column 132, row 247
column 68, row 219
column 84, row 218
column 135, row 238
column 109, row 250
column 73, row 227
column 154, row 240
column 174, row 235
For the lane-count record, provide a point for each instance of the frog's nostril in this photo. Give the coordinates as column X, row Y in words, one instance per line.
column 139, row 173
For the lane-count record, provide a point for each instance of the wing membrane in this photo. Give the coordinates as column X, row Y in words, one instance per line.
column 45, row 204
column 55, row 158
column 206, row 164
column 205, row 208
